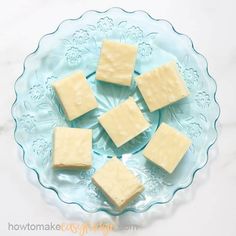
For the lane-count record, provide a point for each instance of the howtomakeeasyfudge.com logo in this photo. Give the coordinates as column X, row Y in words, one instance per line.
column 79, row 229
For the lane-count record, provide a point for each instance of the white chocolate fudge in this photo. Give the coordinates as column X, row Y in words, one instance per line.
column 75, row 95
column 124, row 122
column 117, row 182
column 162, row 86
column 72, row 148
column 116, row 63
column 167, row 147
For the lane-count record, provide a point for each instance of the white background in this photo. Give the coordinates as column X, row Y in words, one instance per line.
column 208, row 207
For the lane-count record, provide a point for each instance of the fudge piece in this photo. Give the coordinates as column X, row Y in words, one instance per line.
column 167, row 147
column 75, row 95
column 72, row 147
column 116, row 63
column 117, row 182
column 124, row 122
column 162, row 86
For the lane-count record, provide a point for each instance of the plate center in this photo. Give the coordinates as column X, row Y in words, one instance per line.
column 109, row 96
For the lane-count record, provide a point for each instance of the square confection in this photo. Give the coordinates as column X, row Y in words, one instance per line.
column 117, row 182
column 162, row 86
column 72, row 148
column 167, row 147
column 75, row 95
column 124, row 122
column 116, row 63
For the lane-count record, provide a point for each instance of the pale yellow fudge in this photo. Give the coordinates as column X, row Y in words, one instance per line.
column 75, row 95
column 116, row 62
column 167, row 147
column 72, row 147
column 117, row 182
column 124, row 122
column 162, row 86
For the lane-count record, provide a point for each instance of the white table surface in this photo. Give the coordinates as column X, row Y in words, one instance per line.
column 208, row 207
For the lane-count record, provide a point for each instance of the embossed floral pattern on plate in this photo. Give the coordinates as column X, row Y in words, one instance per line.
column 75, row 46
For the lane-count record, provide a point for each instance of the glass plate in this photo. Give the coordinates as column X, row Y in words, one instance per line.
column 75, row 45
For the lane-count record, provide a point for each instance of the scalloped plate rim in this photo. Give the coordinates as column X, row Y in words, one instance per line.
column 153, row 202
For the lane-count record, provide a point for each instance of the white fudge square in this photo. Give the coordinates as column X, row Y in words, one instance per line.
column 117, row 182
column 162, row 86
column 72, row 148
column 124, row 122
column 116, row 62
column 167, row 147
column 75, row 95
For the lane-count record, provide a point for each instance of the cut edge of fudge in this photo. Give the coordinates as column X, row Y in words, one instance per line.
column 74, row 75
column 106, row 79
column 101, row 121
column 187, row 141
column 126, row 202
column 79, row 165
column 133, row 195
column 172, row 64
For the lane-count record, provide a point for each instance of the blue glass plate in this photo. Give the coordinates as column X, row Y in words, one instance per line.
column 75, row 45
